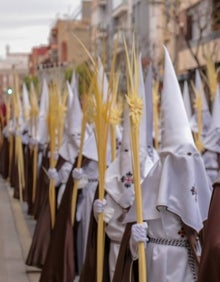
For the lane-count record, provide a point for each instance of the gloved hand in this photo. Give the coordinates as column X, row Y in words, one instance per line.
column 53, row 174
column 5, row 132
column 18, row 132
column 64, row 172
column 82, row 182
column 80, row 207
column 138, row 234
column 127, row 198
column 60, row 194
column 77, row 173
column 33, row 141
column 100, row 206
column 55, row 155
column 25, row 139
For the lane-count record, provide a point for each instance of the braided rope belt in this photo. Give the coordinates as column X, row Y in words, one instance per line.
column 179, row 243
column 92, row 179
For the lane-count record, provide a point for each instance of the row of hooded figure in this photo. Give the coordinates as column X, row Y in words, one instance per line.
column 175, row 191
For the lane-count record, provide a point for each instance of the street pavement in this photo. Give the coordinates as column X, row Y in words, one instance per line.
column 16, row 230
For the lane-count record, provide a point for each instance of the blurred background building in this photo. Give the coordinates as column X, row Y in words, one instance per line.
column 189, row 28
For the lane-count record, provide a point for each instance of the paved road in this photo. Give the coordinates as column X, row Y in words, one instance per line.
column 15, row 238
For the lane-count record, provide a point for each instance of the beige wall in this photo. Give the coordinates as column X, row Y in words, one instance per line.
column 186, row 60
column 66, row 29
column 188, row 3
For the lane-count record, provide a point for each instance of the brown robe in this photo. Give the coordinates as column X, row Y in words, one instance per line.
column 28, row 170
column 42, row 233
column 88, row 272
column 61, row 262
column 126, row 269
column 41, row 180
column 209, row 268
column 4, row 158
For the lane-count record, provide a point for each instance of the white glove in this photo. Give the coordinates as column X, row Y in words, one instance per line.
column 25, row 139
column 82, row 182
column 33, row 141
column 77, row 173
column 138, row 234
column 5, row 132
column 55, row 155
column 60, row 194
column 64, row 172
column 100, row 206
column 53, row 174
column 18, row 132
column 80, row 207
column 127, row 198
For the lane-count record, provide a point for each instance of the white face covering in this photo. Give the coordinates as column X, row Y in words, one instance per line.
column 180, row 184
column 184, row 186
column 75, row 138
column 70, row 147
column 212, row 141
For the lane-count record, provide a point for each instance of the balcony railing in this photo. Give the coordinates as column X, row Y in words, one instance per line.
column 102, row 2
column 119, row 7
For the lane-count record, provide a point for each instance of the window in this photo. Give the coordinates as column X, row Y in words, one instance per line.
column 63, row 52
column 215, row 15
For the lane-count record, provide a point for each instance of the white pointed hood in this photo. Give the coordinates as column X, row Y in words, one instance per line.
column 69, row 106
column 206, row 116
column 42, row 134
column 186, row 100
column 102, row 80
column 70, row 147
column 174, row 122
column 25, row 97
column 90, row 148
column 119, row 175
column 26, row 106
column 74, row 82
column 149, row 115
column 145, row 160
column 74, row 117
column 21, row 121
column 212, row 139
column 103, row 88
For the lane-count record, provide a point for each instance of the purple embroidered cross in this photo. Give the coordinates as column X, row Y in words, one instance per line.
column 182, row 232
column 194, row 192
column 127, row 179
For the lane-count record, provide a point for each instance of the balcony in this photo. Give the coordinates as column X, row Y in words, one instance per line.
column 102, row 30
column 119, row 7
column 118, row 38
column 102, row 2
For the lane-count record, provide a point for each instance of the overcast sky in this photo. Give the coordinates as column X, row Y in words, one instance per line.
column 26, row 23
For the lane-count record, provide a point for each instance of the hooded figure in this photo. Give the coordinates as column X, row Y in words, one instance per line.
column 209, row 264
column 175, row 195
column 61, row 260
column 211, row 142
column 42, row 134
column 119, row 183
column 186, row 100
column 206, row 116
column 41, row 237
column 39, row 136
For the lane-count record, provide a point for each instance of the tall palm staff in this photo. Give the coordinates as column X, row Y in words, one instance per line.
column 135, row 111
